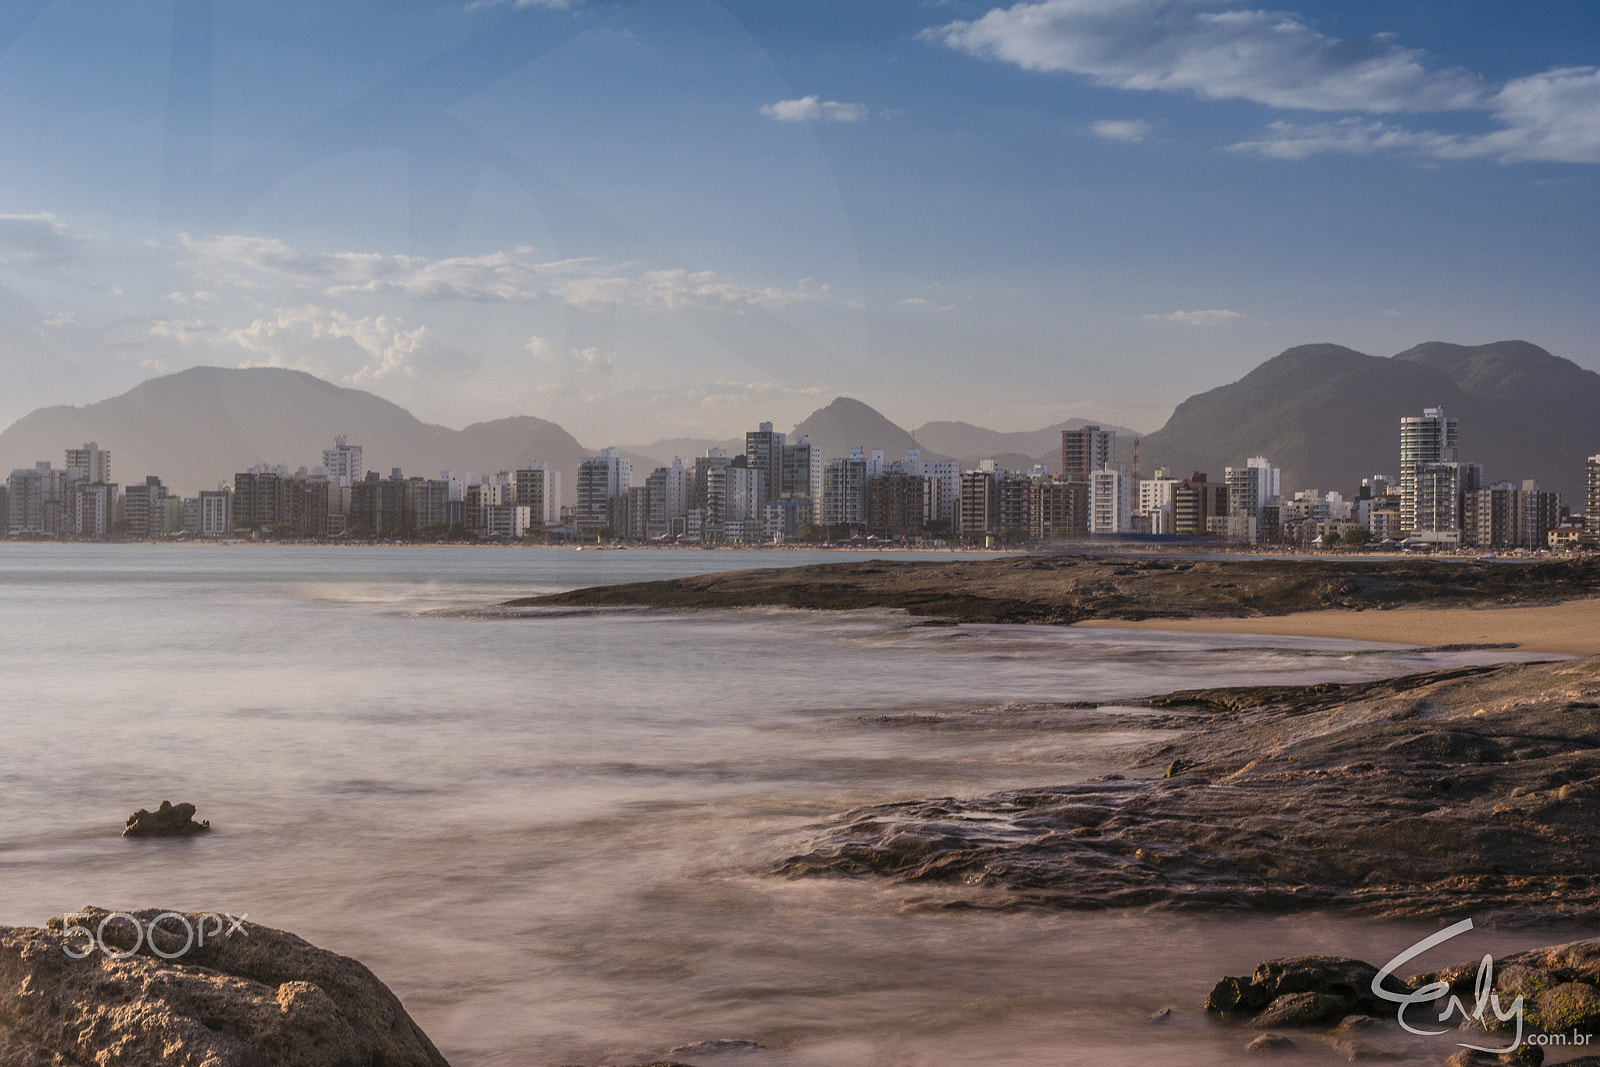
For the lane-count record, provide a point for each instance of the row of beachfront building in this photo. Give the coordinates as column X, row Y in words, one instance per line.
column 781, row 490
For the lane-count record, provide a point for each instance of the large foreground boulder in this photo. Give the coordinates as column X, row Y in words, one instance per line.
column 249, row 996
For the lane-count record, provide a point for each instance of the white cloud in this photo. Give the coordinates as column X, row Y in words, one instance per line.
column 58, row 319
column 199, row 296
column 1550, row 117
column 497, row 277
column 814, row 109
column 1211, row 317
column 329, row 343
column 1280, row 60
column 1128, row 131
column 184, row 331
column 42, row 240
column 582, row 359
column 670, row 290
column 1270, row 57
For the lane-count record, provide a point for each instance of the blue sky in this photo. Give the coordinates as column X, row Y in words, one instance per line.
column 677, row 217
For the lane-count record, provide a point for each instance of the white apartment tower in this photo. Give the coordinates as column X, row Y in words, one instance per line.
column 1428, row 438
column 343, row 463
column 1110, row 499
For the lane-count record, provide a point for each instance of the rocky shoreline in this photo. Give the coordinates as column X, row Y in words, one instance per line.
column 1473, row 791
column 1068, row 589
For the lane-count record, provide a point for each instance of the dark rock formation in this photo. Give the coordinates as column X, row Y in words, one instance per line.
column 1304, row 991
column 166, row 821
column 1066, row 589
column 1559, row 987
column 250, row 997
column 1461, row 791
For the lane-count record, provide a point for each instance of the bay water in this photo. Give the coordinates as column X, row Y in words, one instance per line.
column 547, row 830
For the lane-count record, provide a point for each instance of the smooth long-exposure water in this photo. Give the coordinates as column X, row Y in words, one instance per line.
column 545, row 831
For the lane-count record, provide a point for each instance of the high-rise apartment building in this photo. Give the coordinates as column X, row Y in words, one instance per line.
column 216, row 513
column 668, row 491
column 1084, row 451
column 980, row 502
column 1591, row 496
column 895, row 505
column 763, row 452
column 802, row 477
column 602, row 480
column 91, row 463
column 844, row 491
column 343, row 463
column 1057, row 509
column 538, row 487
column 1428, row 438
column 1111, row 499
column 145, row 508
column 1436, row 495
column 942, row 504
column 94, row 504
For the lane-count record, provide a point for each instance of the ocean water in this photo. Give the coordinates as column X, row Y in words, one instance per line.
column 546, row 830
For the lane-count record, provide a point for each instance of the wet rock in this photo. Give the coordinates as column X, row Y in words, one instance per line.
column 1571, row 1007
column 1573, row 961
column 250, row 997
column 1301, row 1009
column 1522, row 1056
column 1270, row 1045
column 1299, row 991
column 168, row 820
column 1420, row 796
column 1162, row 1016
column 1346, row 979
column 1236, row 996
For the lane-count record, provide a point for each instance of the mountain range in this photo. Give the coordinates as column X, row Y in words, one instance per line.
column 1326, row 415
column 200, row 426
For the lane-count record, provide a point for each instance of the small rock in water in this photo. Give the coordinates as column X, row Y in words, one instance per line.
column 169, row 820
column 1164, row 1015
column 1270, row 1044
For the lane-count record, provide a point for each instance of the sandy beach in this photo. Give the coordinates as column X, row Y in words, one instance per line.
column 1571, row 627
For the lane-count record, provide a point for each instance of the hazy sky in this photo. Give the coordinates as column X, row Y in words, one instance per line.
column 677, row 217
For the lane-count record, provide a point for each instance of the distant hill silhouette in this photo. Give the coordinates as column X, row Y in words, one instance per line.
column 1330, row 416
column 846, row 424
column 200, row 426
column 1327, row 415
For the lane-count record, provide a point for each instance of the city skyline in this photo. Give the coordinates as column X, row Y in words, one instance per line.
column 645, row 221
